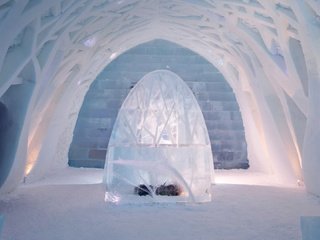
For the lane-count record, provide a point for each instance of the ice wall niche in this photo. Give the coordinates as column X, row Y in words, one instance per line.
column 159, row 149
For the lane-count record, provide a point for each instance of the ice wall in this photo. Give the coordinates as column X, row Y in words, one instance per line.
column 108, row 91
column 13, row 105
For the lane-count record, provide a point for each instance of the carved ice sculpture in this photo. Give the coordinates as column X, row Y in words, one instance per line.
column 159, row 150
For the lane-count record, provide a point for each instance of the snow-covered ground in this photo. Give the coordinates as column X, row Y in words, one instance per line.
column 69, row 205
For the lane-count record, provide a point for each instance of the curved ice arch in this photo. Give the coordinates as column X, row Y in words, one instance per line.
column 159, row 138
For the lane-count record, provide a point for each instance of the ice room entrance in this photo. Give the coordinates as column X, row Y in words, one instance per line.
column 159, row 150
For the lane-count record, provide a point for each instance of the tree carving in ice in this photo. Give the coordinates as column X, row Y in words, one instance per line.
column 159, row 147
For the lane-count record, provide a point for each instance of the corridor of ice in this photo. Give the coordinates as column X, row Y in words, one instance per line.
column 267, row 51
column 52, row 51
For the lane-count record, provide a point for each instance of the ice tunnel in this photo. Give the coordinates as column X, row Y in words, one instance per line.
column 159, row 150
column 267, row 51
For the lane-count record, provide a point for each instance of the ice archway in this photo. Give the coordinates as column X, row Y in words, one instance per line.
column 159, row 138
column 267, row 50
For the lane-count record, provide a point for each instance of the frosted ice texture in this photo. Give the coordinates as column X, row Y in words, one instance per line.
column 159, row 138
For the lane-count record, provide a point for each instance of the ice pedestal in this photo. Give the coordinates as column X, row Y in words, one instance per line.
column 160, row 166
column 159, row 145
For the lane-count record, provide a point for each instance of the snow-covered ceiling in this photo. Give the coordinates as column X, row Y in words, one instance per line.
column 268, row 51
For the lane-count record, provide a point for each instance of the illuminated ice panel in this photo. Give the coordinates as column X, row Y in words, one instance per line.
column 159, row 150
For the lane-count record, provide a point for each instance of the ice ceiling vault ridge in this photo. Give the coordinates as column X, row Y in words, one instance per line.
column 267, row 50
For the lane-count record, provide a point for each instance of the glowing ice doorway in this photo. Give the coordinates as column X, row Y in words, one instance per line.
column 159, row 150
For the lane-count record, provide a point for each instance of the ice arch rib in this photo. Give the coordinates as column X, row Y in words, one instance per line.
column 159, row 141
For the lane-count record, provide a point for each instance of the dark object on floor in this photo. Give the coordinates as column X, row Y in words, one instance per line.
column 162, row 190
column 169, row 190
column 143, row 190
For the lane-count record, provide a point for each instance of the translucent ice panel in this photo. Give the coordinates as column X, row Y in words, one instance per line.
column 159, row 150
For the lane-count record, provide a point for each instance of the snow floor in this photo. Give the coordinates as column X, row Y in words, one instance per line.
column 69, row 205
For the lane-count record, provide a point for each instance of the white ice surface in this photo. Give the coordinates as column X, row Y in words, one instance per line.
column 69, row 205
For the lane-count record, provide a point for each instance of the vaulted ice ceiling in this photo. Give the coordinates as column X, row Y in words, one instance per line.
column 268, row 50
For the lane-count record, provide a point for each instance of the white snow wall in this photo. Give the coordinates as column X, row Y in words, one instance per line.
column 268, row 51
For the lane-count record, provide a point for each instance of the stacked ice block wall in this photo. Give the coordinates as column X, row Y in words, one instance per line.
column 108, row 91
